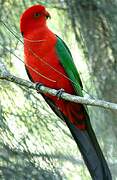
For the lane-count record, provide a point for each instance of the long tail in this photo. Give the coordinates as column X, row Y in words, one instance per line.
column 90, row 150
column 87, row 143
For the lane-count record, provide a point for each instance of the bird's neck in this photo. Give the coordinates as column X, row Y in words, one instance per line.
column 39, row 34
column 41, row 39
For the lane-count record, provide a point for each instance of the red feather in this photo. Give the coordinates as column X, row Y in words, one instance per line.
column 43, row 65
column 40, row 54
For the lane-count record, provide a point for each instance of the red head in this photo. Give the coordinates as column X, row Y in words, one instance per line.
column 33, row 18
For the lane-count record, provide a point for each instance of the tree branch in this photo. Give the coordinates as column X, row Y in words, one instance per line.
column 5, row 74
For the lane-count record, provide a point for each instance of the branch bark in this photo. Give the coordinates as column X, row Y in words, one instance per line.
column 5, row 74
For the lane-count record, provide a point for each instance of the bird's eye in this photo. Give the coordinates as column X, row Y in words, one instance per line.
column 36, row 15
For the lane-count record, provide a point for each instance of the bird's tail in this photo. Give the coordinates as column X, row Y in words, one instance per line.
column 86, row 141
column 90, row 150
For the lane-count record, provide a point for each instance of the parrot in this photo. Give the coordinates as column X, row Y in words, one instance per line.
column 48, row 61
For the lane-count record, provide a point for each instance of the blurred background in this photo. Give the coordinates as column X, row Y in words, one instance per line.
column 34, row 143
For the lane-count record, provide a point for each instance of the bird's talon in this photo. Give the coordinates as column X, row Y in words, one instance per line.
column 37, row 86
column 59, row 93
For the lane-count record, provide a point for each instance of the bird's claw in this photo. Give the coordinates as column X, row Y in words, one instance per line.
column 59, row 93
column 37, row 86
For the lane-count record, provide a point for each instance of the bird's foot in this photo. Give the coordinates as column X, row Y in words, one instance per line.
column 37, row 86
column 59, row 93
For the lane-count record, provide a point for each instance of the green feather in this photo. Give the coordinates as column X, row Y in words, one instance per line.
column 67, row 62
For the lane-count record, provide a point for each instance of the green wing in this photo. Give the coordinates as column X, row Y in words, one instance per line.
column 67, row 62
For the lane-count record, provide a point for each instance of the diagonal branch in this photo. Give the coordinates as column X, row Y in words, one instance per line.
column 5, row 74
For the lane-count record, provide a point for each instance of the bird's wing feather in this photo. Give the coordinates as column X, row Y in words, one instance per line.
column 67, row 62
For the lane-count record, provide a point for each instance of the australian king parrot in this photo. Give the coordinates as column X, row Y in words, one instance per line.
column 48, row 61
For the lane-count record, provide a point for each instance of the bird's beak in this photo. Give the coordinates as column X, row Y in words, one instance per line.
column 47, row 15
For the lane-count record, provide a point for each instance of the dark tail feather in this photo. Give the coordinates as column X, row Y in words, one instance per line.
column 91, row 152
column 88, row 146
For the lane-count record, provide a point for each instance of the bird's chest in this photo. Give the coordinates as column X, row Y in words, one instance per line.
column 48, row 70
